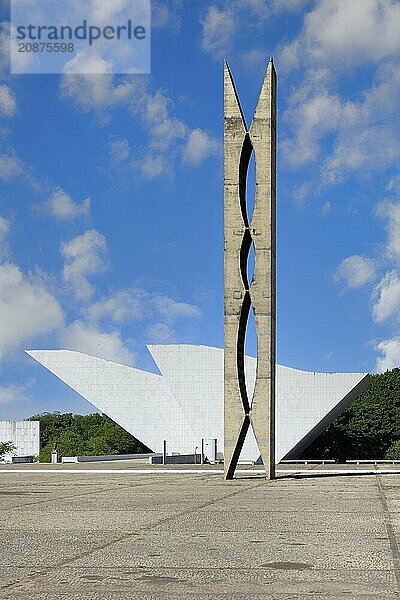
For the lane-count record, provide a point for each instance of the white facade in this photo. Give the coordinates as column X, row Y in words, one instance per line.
column 23, row 434
column 185, row 403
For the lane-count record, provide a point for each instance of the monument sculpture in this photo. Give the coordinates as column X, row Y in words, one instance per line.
column 205, row 393
column 241, row 231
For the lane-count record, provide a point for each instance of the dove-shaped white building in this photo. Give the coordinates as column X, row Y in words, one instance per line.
column 185, row 403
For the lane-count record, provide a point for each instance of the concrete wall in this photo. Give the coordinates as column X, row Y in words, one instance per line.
column 25, row 435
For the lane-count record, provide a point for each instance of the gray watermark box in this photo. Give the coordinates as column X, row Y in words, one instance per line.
column 80, row 36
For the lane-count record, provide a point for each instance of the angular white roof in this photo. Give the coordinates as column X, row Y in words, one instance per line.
column 185, row 403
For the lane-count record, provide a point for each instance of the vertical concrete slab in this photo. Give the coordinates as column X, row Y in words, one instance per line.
column 240, row 232
column 263, row 287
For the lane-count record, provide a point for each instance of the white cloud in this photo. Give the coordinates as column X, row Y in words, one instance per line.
column 391, row 212
column 61, row 206
column 169, row 138
column 103, row 12
column 160, row 333
column 218, row 29
column 199, row 146
column 137, row 303
column 172, row 310
column 391, row 354
column 164, row 128
column 27, row 310
column 339, row 34
column 8, row 103
column 355, row 271
column 360, row 134
column 119, row 150
column 91, row 340
column 84, row 255
column 326, row 208
column 5, row 225
column 221, row 25
column 387, row 294
column 313, row 112
column 394, row 184
column 152, row 166
column 94, row 87
column 10, row 166
column 121, row 306
column 164, row 14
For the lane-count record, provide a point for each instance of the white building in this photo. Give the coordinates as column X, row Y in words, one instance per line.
column 184, row 404
column 25, row 435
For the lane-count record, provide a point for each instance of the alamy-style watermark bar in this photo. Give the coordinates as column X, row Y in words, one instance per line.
column 80, row 36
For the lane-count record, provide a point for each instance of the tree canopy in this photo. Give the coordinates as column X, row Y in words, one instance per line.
column 6, row 448
column 369, row 428
column 83, row 435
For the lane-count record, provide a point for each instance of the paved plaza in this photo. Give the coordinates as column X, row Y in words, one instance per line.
column 125, row 534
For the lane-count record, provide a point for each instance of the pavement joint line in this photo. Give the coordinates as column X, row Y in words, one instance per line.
column 5, row 590
column 390, row 531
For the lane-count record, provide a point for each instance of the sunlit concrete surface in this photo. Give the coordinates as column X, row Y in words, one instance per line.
column 187, row 535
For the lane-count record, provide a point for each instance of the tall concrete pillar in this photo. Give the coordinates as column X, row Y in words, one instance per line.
column 241, row 231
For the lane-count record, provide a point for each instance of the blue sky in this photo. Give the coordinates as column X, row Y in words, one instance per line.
column 111, row 195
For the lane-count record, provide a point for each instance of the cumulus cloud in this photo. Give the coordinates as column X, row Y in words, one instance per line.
column 137, row 303
column 222, row 24
column 360, row 133
column 61, row 206
column 339, row 34
column 5, row 225
column 387, row 294
column 119, row 150
column 122, row 306
column 391, row 212
column 199, row 145
column 164, row 128
column 94, row 87
column 8, row 103
column 10, row 166
column 172, row 310
column 89, row 339
column 27, row 310
column 169, row 138
column 218, row 29
column 84, row 255
column 355, row 271
column 390, row 350
column 394, row 184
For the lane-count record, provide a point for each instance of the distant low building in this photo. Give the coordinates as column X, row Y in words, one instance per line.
column 25, row 435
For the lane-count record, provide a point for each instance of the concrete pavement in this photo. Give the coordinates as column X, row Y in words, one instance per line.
column 183, row 535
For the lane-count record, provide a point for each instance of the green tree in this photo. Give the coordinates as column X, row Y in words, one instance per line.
column 393, row 452
column 6, row 448
column 368, row 428
column 83, row 435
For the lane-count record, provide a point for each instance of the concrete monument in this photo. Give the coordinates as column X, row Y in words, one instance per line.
column 241, row 231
